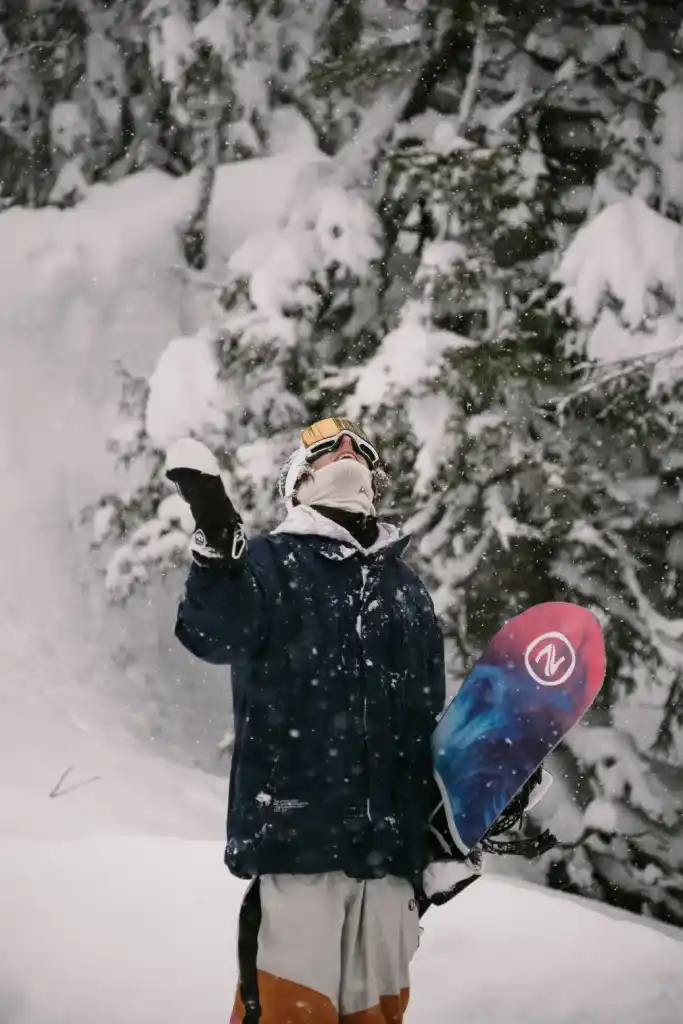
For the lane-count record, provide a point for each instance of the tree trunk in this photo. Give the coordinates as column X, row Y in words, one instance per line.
column 193, row 235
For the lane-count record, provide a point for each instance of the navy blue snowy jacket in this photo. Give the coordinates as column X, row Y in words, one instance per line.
column 337, row 675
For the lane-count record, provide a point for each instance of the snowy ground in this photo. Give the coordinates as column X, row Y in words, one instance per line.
column 116, row 909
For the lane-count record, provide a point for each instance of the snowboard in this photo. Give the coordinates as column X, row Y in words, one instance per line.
column 535, row 680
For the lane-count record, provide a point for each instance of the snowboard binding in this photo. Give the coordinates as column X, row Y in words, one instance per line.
column 513, row 817
column 443, row 845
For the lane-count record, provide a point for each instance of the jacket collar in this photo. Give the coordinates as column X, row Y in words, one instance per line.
column 304, row 521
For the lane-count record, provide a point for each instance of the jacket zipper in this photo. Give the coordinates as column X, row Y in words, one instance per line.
column 365, row 575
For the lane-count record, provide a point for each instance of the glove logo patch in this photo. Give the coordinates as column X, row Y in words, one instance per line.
column 550, row 659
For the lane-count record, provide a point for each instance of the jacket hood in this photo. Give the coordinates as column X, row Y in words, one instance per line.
column 304, row 521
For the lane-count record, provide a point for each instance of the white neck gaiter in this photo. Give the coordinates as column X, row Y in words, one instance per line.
column 346, row 484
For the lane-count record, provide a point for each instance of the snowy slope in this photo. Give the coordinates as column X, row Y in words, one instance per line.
column 117, row 931
column 107, row 772
column 83, row 290
column 116, row 909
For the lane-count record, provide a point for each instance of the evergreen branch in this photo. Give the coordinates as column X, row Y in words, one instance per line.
column 665, row 636
column 624, row 368
column 672, row 714
column 193, row 233
column 662, row 634
column 541, row 95
column 41, row 44
column 670, row 630
column 606, row 836
column 355, row 160
column 382, row 62
column 468, row 563
column 637, row 361
column 473, row 82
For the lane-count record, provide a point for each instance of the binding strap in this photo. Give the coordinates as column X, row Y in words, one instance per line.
column 247, row 949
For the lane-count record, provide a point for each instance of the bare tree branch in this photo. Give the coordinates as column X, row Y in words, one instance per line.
column 194, row 232
column 57, row 790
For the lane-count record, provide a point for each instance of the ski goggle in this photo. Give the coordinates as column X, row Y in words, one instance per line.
column 326, row 435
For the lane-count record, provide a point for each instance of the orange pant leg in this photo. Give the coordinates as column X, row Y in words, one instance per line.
column 389, row 1011
column 284, row 1002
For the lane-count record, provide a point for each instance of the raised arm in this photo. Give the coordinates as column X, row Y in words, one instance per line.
column 222, row 617
column 223, row 614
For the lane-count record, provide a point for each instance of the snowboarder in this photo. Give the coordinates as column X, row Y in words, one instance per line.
column 337, row 672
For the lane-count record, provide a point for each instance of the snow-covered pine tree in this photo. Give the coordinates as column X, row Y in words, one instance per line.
column 620, row 281
column 298, row 308
column 93, row 90
column 294, row 299
column 527, row 470
column 522, row 498
column 623, row 556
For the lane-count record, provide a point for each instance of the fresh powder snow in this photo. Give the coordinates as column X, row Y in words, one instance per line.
column 116, row 908
column 86, row 291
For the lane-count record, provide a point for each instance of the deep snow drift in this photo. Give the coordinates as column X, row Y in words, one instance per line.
column 85, row 290
column 116, row 909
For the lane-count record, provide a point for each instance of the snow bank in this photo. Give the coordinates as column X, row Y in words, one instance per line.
column 108, row 786
column 116, row 909
column 113, row 931
column 84, row 290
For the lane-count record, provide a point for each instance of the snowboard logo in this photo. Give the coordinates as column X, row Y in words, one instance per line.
column 550, row 659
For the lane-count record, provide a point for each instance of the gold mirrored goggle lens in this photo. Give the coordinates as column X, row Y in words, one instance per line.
column 325, row 430
column 325, row 435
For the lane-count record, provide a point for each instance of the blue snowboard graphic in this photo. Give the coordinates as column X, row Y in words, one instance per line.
column 534, row 681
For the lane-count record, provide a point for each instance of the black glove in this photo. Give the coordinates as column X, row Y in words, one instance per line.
column 219, row 537
column 448, row 870
column 444, row 879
